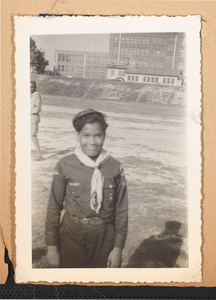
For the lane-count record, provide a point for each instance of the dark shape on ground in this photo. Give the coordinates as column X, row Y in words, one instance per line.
column 159, row 251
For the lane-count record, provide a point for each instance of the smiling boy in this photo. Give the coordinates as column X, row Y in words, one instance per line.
column 92, row 186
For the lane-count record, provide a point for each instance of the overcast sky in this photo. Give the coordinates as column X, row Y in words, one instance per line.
column 78, row 42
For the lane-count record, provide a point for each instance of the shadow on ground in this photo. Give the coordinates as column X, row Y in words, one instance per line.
column 159, row 251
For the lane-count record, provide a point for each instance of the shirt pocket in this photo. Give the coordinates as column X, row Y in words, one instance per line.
column 109, row 189
column 75, row 191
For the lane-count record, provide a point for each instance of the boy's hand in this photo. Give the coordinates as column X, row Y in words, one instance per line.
column 114, row 258
column 53, row 256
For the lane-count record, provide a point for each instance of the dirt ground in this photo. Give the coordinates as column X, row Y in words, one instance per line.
column 150, row 140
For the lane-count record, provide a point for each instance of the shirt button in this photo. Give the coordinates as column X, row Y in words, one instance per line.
column 110, row 198
column 110, row 186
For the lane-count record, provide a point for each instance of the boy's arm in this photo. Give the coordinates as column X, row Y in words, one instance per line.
column 121, row 212
column 121, row 222
column 55, row 206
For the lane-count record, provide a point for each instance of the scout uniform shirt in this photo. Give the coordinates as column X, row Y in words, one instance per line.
column 72, row 185
column 36, row 103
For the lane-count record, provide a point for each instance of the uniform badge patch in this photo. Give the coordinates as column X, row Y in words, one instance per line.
column 56, row 172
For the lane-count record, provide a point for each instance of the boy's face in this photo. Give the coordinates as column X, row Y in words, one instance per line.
column 32, row 88
column 91, row 138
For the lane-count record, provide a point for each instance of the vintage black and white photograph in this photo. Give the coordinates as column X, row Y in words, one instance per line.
column 108, row 151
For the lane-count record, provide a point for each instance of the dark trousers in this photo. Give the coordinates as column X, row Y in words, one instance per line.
column 85, row 245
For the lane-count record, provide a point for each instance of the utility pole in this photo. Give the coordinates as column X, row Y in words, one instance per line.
column 174, row 53
column 119, row 48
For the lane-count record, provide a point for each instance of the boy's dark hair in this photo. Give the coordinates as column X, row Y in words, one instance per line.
column 88, row 117
column 34, row 83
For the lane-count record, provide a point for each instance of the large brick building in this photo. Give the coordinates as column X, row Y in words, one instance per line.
column 141, row 50
column 81, row 64
column 150, row 50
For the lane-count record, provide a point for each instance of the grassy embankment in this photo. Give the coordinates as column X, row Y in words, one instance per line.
column 109, row 89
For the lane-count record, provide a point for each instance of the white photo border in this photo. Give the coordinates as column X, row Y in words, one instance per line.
column 28, row 26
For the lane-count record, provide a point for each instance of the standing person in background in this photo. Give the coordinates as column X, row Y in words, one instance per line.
column 36, row 105
column 90, row 184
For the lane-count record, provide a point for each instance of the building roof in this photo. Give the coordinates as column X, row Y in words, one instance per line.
column 154, row 71
column 124, row 67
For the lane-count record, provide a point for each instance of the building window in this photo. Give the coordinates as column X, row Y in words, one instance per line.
column 144, row 78
column 159, row 41
column 153, row 52
column 154, row 41
column 59, row 67
column 156, row 80
column 143, row 40
column 134, row 51
column 152, row 64
column 147, row 41
column 172, row 81
column 164, row 80
column 139, row 40
column 126, row 51
column 132, row 78
column 137, row 78
column 123, row 39
column 168, row 80
column 116, row 38
column 63, row 68
column 179, row 65
column 169, row 59
column 121, row 61
column 138, row 52
column 67, row 57
column 146, row 52
column 181, row 53
column 156, row 64
column 131, row 39
column 128, row 77
column 115, row 49
column 170, row 48
column 112, row 72
column 145, row 64
column 148, row 79
column 171, row 40
column 63, row 57
column 161, row 65
column 59, row 57
column 66, row 68
column 122, row 50
column 182, row 41
column 164, row 41
column 119, row 72
column 127, row 39
column 135, row 40
column 152, row 79
column 157, row 53
column 168, row 65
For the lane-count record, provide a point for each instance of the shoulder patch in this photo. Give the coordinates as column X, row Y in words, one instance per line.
column 56, row 172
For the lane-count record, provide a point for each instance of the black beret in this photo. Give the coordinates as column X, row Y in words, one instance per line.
column 86, row 112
